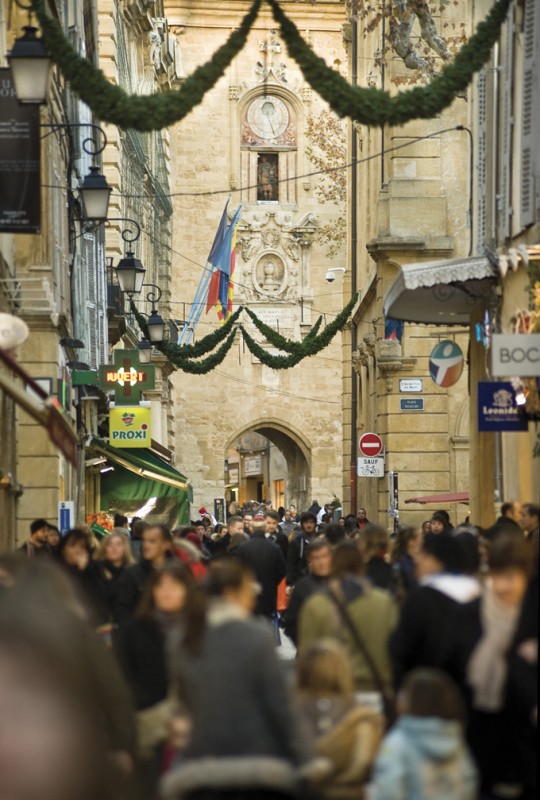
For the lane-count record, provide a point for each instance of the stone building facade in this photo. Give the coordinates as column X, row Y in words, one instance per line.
column 248, row 138
column 406, row 205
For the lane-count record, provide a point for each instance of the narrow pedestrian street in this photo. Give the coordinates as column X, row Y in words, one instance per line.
column 269, row 399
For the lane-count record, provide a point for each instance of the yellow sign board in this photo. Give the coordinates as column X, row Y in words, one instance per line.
column 129, row 426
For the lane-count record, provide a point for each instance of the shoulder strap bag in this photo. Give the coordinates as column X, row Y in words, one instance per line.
column 387, row 700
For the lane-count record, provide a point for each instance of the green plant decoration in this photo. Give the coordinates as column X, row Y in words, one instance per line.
column 370, row 106
column 112, row 104
column 378, row 107
column 197, row 367
column 200, row 348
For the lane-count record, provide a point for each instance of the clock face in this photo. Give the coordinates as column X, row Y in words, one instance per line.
column 268, row 117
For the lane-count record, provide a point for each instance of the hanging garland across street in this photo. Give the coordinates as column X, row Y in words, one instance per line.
column 204, row 345
column 181, row 356
column 377, row 107
column 141, row 112
column 369, row 106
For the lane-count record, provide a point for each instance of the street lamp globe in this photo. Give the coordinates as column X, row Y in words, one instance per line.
column 130, row 272
column 145, row 350
column 155, row 327
column 30, row 67
column 95, row 193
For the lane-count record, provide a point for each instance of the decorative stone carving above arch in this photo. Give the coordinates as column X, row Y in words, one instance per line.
column 274, row 254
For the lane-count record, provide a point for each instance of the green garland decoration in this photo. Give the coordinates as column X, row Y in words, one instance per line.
column 142, row 112
column 366, row 105
column 308, row 347
column 198, row 367
column 315, row 329
column 200, row 348
column 378, row 107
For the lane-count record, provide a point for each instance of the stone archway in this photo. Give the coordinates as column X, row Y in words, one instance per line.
column 296, row 452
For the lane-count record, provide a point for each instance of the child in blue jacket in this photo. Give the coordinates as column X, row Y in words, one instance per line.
column 424, row 756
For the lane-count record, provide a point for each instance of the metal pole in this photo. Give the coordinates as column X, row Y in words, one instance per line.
column 354, row 234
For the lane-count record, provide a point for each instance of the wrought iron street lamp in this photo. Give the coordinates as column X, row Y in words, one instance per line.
column 130, row 272
column 30, row 67
column 156, row 324
column 95, row 193
column 145, row 350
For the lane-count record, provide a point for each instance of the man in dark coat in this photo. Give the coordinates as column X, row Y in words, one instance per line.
column 37, row 544
column 156, row 550
column 319, row 557
column 430, row 613
column 267, row 562
column 296, row 555
column 274, row 532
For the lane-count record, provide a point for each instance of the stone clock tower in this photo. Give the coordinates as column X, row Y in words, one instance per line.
column 245, row 430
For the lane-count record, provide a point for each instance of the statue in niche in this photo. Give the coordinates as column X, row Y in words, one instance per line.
column 267, row 177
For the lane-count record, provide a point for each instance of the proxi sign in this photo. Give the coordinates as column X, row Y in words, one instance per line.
column 129, row 426
column 515, row 355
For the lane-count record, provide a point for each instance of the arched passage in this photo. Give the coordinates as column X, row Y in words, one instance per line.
column 260, row 471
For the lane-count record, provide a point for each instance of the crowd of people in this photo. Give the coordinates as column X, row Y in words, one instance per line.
column 147, row 664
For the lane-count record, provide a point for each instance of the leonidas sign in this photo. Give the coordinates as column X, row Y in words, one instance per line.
column 129, row 426
column 515, row 354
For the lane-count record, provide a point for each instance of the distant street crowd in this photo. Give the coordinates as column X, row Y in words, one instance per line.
column 275, row 655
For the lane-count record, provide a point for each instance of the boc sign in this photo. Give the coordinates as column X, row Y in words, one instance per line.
column 515, row 354
column 129, row 426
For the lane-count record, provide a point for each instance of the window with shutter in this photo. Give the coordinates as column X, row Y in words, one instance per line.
column 91, row 304
column 527, row 187
column 507, row 123
column 481, row 123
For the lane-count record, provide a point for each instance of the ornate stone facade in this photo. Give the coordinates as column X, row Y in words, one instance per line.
column 248, row 136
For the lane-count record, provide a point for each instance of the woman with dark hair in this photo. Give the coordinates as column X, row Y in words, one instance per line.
column 149, row 643
column 405, row 547
column 440, row 522
column 148, row 648
column 244, row 741
column 75, row 555
column 484, row 640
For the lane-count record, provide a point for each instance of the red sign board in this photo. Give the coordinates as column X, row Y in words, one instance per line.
column 370, row 444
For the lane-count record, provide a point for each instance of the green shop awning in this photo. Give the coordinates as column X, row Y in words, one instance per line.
column 142, row 480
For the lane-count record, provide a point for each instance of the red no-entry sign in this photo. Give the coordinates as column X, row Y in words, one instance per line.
column 370, row 444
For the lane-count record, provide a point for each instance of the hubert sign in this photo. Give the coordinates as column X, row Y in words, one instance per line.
column 129, row 426
column 515, row 354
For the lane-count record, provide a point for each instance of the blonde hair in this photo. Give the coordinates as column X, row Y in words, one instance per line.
column 104, row 543
column 325, row 669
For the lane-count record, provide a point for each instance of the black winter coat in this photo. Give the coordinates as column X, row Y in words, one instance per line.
column 141, row 648
column 297, row 557
column 267, row 562
column 130, row 590
column 426, row 632
column 381, row 574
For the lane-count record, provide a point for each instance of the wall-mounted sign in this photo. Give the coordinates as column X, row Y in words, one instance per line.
column 370, row 444
column 253, row 465
column 234, row 475
column 66, row 516
column 370, row 467
column 497, row 408
column 515, row 354
column 129, row 426
column 410, row 385
column 219, row 509
column 411, row 403
column 446, row 363
column 127, row 377
column 20, row 192
column 13, row 330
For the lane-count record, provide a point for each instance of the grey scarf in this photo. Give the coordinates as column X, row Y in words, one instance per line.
column 487, row 667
